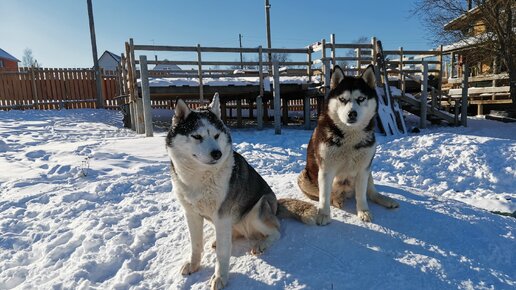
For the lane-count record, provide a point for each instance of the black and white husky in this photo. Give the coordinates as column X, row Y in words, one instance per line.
column 215, row 183
column 342, row 147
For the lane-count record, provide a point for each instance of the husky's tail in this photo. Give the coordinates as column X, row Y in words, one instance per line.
column 307, row 186
column 297, row 209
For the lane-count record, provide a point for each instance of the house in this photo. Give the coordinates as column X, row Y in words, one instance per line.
column 109, row 61
column 7, row 60
column 166, row 67
column 488, row 76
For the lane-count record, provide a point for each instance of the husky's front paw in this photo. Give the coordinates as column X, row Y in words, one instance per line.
column 365, row 215
column 218, row 282
column 189, row 268
column 323, row 217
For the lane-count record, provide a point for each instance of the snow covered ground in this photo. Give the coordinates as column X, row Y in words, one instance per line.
column 85, row 203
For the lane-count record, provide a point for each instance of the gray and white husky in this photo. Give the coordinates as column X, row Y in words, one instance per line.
column 215, row 183
column 342, row 147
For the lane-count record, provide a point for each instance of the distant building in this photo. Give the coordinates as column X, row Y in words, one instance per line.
column 166, row 67
column 7, row 60
column 472, row 25
column 109, row 61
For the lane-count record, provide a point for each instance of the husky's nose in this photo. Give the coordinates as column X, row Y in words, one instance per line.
column 216, row 154
column 352, row 115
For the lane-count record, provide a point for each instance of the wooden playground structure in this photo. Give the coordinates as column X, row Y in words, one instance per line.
column 279, row 88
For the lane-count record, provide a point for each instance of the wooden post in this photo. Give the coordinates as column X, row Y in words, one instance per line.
column 259, row 112
column 402, row 76
column 306, row 109
column 359, row 52
column 332, row 40
column 138, row 106
column 424, row 96
column 277, row 99
column 130, row 92
column 223, row 111
column 323, row 54
column 100, row 97
column 239, row 112
column 452, row 65
column 269, row 43
column 285, row 111
column 259, row 99
column 464, row 100
column 440, row 81
column 309, row 65
column 327, row 77
column 374, row 52
column 147, row 110
column 199, row 59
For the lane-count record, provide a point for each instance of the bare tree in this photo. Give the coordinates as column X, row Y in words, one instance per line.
column 496, row 17
column 28, row 59
column 352, row 53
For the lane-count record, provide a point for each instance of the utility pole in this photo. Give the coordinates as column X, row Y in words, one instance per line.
column 268, row 18
column 100, row 97
column 241, row 58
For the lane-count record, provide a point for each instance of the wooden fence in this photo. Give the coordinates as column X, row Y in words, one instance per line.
column 55, row 88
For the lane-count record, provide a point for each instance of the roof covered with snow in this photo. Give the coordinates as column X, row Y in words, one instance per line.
column 5, row 55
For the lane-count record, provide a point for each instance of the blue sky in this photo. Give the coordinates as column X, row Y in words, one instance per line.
column 57, row 30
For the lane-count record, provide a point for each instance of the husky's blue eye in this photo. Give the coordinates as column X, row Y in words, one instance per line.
column 360, row 100
column 216, row 136
column 197, row 137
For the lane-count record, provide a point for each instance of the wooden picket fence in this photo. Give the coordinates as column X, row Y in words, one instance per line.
column 55, row 88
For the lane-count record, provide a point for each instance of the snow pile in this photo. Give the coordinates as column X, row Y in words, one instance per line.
column 86, row 203
column 224, row 81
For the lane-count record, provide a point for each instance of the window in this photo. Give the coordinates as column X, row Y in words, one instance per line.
column 1, row 63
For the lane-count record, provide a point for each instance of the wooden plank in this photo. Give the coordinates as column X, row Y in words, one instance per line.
column 412, row 52
column 397, row 61
column 354, row 58
column 490, row 102
column 482, row 78
column 66, row 86
column 20, row 80
column 481, row 90
column 53, row 86
column 351, row 45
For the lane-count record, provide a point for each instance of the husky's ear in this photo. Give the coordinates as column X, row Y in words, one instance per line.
column 336, row 77
column 181, row 111
column 369, row 77
column 215, row 105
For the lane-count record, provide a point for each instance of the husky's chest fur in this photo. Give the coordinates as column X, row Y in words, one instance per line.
column 348, row 153
column 201, row 190
column 344, row 151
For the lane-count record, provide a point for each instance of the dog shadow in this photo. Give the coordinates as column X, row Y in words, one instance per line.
column 425, row 243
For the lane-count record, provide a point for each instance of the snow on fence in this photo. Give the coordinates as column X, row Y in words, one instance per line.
column 54, row 88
